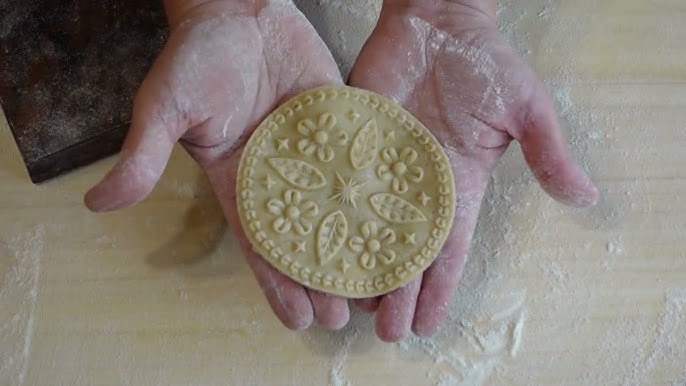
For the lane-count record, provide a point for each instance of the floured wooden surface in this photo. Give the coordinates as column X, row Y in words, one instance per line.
column 159, row 294
column 68, row 72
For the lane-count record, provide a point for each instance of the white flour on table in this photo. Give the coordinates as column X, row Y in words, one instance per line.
column 498, row 309
column 20, row 261
column 488, row 323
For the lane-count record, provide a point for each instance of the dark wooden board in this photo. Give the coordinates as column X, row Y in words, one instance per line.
column 69, row 70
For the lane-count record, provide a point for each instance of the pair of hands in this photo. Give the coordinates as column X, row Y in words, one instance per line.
column 229, row 63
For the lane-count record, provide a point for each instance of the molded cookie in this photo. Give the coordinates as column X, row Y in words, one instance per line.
column 345, row 192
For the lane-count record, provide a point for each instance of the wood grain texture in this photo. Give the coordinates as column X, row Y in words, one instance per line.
column 159, row 294
column 68, row 74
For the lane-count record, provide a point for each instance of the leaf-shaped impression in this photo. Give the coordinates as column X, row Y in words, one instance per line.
column 330, row 236
column 298, row 173
column 396, row 210
column 365, row 145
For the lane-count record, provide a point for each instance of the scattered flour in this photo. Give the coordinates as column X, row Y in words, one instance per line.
column 500, row 304
column 669, row 340
column 487, row 326
column 638, row 350
column 337, row 372
column 614, row 247
column 20, row 259
column 472, row 347
column 344, row 25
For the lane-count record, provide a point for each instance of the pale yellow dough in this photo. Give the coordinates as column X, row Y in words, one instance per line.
column 345, row 192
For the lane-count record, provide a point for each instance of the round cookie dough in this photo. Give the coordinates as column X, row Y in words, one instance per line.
column 345, row 192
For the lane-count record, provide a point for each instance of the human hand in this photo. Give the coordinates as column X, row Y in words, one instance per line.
column 446, row 62
column 225, row 67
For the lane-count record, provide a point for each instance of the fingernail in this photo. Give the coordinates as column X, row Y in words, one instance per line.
column 585, row 198
column 101, row 203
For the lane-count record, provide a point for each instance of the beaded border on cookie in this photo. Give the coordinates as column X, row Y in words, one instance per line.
column 331, row 283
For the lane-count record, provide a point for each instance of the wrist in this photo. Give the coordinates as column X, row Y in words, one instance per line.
column 445, row 8
column 180, row 10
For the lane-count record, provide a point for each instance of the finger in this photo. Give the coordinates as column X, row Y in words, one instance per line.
column 369, row 305
column 442, row 277
column 441, row 280
column 330, row 311
column 395, row 313
column 546, row 153
column 143, row 157
column 288, row 299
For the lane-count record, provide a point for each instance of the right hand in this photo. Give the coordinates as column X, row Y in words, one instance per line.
column 225, row 67
column 447, row 63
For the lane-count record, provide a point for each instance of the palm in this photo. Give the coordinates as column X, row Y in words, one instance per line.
column 219, row 75
column 473, row 92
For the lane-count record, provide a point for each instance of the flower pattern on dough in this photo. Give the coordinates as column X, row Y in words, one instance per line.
column 292, row 213
column 317, row 137
column 399, row 168
column 374, row 245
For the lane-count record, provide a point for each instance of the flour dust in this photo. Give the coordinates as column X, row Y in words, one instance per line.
column 20, row 259
column 503, row 308
column 489, row 323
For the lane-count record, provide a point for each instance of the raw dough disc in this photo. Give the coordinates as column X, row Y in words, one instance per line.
column 345, row 192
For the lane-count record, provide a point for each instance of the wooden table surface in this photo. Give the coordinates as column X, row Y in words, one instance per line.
column 159, row 294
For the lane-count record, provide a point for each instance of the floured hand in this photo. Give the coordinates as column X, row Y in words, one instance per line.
column 446, row 62
column 226, row 66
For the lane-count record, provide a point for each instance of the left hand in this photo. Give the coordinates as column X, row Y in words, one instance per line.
column 446, row 62
column 227, row 65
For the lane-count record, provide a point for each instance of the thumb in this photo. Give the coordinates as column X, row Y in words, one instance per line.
column 143, row 157
column 547, row 155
